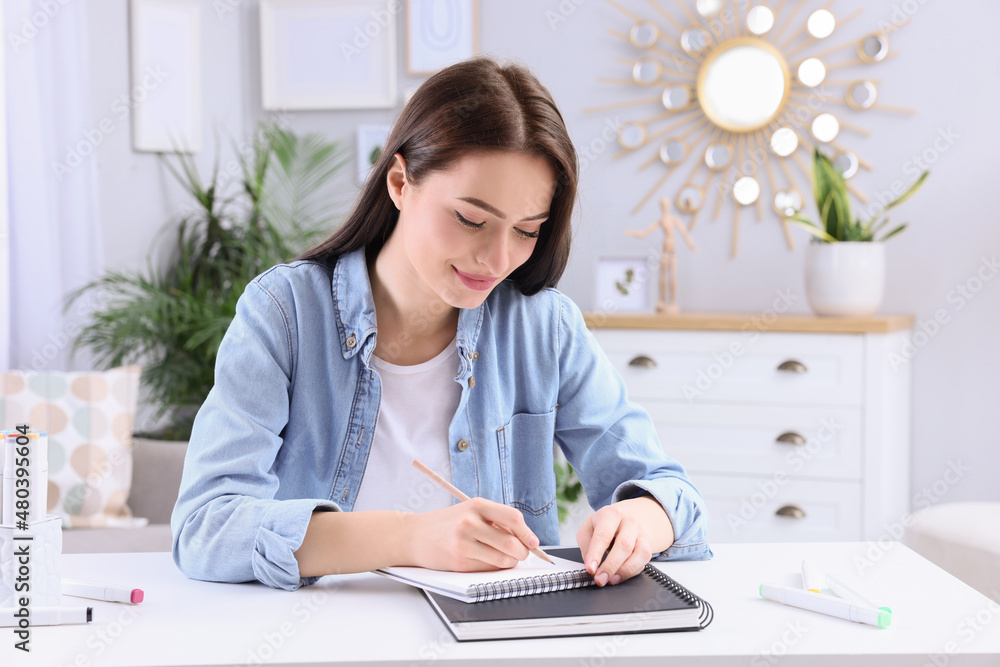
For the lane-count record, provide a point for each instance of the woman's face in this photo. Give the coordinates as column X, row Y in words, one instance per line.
column 466, row 229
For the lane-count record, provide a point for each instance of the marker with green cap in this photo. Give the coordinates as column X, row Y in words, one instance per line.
column 825, row 604
column 841, row 589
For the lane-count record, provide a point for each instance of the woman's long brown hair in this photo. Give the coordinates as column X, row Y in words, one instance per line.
column 474, row 106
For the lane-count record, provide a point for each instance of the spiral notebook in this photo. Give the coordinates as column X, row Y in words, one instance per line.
column 530, row 576
column 648, row 602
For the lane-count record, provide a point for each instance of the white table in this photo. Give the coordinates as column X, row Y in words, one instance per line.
column 367, row 619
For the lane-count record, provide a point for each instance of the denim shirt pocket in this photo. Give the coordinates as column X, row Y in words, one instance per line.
column 525, row 446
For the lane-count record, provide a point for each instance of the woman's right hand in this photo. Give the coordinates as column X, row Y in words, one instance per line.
column 470, row 536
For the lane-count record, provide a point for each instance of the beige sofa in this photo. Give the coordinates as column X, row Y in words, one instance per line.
column 156, row 477
column 962, row 538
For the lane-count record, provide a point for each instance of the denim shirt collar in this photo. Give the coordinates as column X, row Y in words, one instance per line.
column 356, row 322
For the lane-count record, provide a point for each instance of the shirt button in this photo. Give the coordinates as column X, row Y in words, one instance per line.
column 463, row 444
column 351, row 341
column 472, row 381
column 474, row 355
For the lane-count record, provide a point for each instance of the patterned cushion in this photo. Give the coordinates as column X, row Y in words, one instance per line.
column 89, row 418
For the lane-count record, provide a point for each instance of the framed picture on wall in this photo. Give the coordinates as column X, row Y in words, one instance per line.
column 165, row 63
column 328, row 54
column 624, row 284
column 440, row 33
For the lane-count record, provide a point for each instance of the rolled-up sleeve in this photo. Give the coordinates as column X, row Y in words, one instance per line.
column 612, row 443
column 227, row 525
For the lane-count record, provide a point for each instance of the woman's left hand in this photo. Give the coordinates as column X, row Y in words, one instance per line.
column 632, row 529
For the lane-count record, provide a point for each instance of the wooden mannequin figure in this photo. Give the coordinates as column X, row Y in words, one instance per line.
column 667, row 223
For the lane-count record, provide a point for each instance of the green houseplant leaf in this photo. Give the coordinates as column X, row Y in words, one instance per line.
column 568, row 488
column 805, row 223
column 894, row 232
column 830, row 191
column 834, row 206
column 909, row 192
column 171, row 320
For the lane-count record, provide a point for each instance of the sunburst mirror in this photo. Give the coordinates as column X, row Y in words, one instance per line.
column 743, row 92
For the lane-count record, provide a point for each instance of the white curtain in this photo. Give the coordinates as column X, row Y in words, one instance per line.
column 54, row 228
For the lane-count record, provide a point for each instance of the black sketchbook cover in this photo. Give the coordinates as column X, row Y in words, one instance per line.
column 648, row 602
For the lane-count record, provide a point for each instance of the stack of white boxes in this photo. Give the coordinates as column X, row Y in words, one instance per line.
column 29, row 549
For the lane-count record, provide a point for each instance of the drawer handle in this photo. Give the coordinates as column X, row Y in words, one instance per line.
column 791, row 511
column 642, row 361
column 791, row 438
column 792, row 366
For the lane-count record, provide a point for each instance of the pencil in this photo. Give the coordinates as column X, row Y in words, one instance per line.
column 455, row 491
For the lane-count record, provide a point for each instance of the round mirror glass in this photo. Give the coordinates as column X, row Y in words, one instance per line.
column 811, row 72
column 873, row 48
column 644, row 35
column 784, row 141
column 746, row 190
column 847, row 162
column 743, row 85
column 718, row 156
column 647, row 71
column 672, row 151
column 694, row 41
column 821, row 23
column 690, row 198
column 708, row 8
column 760, row 19
column 787, row 202
column 825, row 127
column 676, row 97
column 632, row 135
column 862, row 95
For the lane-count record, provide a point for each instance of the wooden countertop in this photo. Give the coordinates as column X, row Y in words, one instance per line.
column 705, row 321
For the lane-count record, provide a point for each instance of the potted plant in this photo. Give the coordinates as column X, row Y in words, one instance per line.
column 571, row 504
column 845, row 263
column 172, row 320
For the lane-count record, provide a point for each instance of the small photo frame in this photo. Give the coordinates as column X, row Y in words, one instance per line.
column 624, row 284
column 165, row 63
column 371, row 143
column 440, row 33
column 328, row 54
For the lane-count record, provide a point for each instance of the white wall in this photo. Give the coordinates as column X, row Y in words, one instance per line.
column 950, row 56
column 138, row 195
column 4, row 214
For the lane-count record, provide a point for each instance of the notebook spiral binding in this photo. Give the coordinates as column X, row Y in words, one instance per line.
column 707, row 613
column 545, row 583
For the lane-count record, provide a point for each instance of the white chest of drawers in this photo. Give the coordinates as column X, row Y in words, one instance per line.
column 796, row 429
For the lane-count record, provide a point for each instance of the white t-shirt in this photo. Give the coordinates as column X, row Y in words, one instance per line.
column 418, row 403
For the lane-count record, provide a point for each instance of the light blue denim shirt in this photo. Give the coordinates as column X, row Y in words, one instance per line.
column 287, row 428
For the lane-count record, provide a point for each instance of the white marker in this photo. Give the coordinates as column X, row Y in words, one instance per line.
column 848, row 593
column 825, row 604
column 12, row 617
column 37, row 482
column 39, row 475
column 98, row 591
column 7, row 483
column 812, row 579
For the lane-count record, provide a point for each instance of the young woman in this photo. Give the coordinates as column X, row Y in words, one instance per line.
column 427, row 326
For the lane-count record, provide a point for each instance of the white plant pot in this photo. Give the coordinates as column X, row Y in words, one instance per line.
column 846, row 278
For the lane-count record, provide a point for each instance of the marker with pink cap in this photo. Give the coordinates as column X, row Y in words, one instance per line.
column 99, row 591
